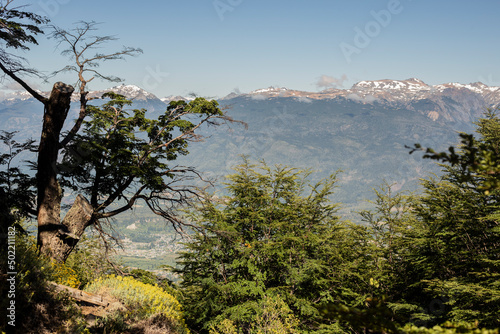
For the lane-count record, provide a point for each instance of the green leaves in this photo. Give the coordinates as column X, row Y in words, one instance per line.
column 122, row 154
column 445, row 247
column 477, row 159
column 15, row 30
column 17, row 192
column 274, row 234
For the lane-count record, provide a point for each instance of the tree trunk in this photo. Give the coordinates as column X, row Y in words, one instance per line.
column 75, row 222
column 56, row 239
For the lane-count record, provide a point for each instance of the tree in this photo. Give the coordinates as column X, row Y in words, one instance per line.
column 18, row 29
column 478, row 159
column 449, row 251
column 274, row 236
column 459, row 243
column 121, row 157
column 57, row 237
column 389, row 222
column 16, row 187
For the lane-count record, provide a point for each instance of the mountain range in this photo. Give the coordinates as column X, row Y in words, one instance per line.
column 362, row 130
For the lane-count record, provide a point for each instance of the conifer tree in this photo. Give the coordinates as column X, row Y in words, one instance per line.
column 275, row 236
column 450, row 253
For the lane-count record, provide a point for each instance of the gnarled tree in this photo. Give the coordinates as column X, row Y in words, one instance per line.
column 116, row 166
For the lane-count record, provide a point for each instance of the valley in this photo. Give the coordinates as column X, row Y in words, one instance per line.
column 363, row 131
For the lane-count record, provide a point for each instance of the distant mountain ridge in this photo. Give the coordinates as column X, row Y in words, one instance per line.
column 363, row 130
column 449, row 101
column 383, row 90
column 364, row 91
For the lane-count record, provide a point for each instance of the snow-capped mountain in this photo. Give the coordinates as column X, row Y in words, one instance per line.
column 16, row 96
column 170, row 98
column 451, row 101
column 18, row 109
column 412, row 84
column 377, row 91
column 362, row 130
column 132, row 92
column 385, row 91
column 269, row 90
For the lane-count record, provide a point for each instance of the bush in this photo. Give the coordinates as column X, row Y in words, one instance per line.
column 449, row 328
column 142, row 302
column 272, row 315
column 89, row 261
column 38, row 308
column 63, row 274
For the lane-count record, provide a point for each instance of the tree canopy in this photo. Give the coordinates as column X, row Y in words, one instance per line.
column 274, row 237
column 112, row 157
column 421, row 261
column 18, row 30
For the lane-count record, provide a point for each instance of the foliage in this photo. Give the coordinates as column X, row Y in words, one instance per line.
column 144, row 276
column 18, row 29
column 478, row 160
column 38, row 308
column 14, row 30
column 445, row 258
column 454, row 252
column 16, row 187
column 449, row 328
column 90, row 260
column 377, row 318
column 142, row 301
column 274, row 236
column 272, row 316
column 122, row 155
column 391, row 218
column 445, row 243
column 65, row 275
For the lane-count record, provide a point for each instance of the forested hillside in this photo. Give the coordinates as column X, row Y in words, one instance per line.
column 253, row 206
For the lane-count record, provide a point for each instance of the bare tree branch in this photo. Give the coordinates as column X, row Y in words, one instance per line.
column 30, row 90
column 78, row 43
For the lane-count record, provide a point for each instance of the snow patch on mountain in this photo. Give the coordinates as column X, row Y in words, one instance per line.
column 412, row 85
column 132, row 92
column 269, row 90
column 171, row 98
column 477, row 87
column 16, row 96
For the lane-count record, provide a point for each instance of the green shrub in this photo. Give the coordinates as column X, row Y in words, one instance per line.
column 89, row 261
column 449, row 328
column 142, row 302
column 38, row 307
column 272, row 315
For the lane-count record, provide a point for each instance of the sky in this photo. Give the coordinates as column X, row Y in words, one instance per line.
column 215, row 47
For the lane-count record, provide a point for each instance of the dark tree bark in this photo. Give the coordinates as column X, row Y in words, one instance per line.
column 55, row 238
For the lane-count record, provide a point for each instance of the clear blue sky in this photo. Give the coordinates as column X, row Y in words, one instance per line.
column 214, row 47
